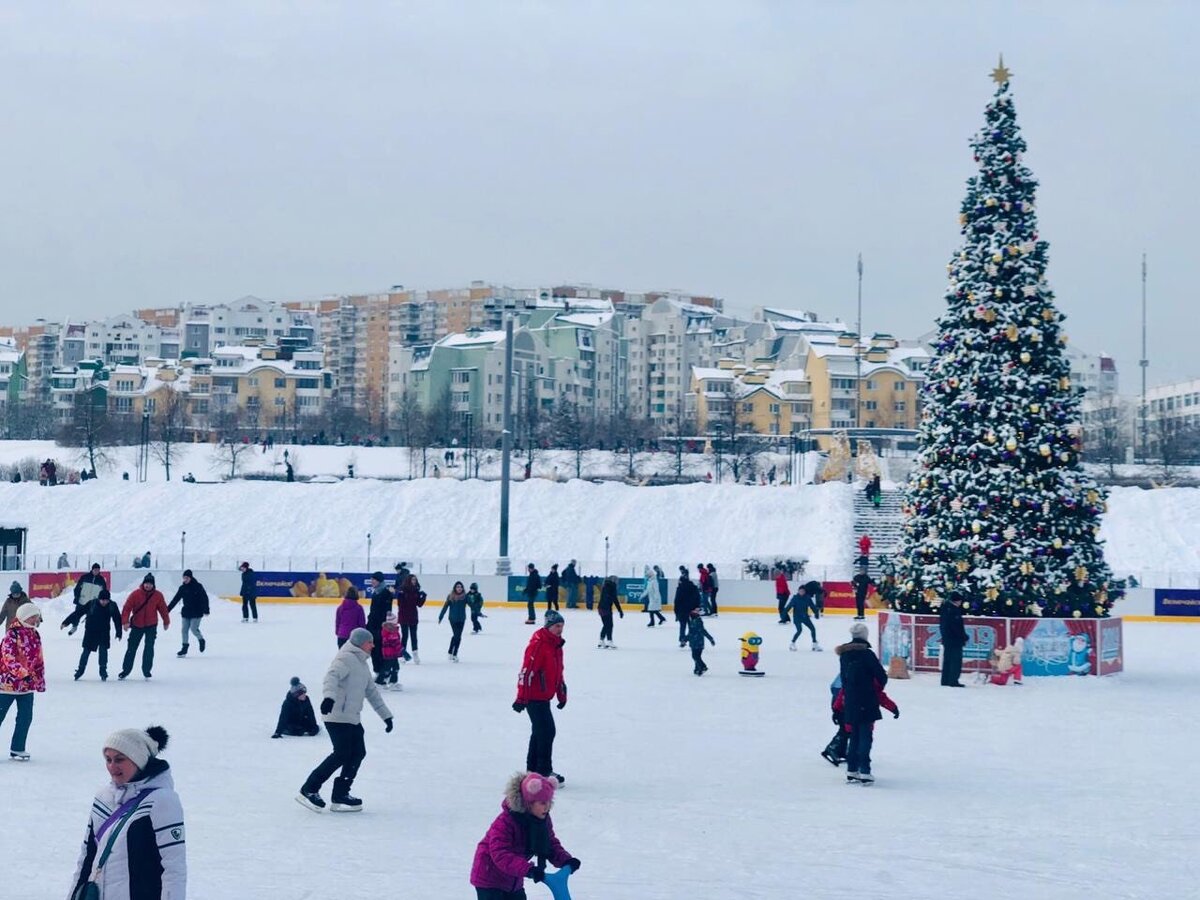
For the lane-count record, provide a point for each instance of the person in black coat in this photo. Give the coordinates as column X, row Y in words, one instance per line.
column 381, row 604
column 90, row 583
column 552, row 588
column 533, row 584
column 954, row 637
column 862, row 678
column 570, row 585
column 687, row 598
column 194, row 598
column 100, row 614
column 249, row 592
column 608, row 600
column 296, row 716
column 862, row 586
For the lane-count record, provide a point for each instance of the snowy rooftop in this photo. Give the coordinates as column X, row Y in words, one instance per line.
column 463, row 341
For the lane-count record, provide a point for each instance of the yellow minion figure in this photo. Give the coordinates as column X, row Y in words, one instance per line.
column 750, row 643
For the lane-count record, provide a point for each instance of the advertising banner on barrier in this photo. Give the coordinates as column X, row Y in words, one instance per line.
column 306, row 585
column 927, row 644
column 629, row 590
column 51, row 584
column 895, row 637
column 1112, row 647
column 840, row 595
column 984, row 634
column 1061, row 647
column 1176, row 602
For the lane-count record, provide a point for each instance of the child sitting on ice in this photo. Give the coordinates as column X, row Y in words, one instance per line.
column 393, row 649
column 522, row 830
column 1007, row 663
column 296, row 717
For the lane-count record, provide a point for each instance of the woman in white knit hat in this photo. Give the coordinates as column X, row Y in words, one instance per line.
column 22, row 673
column 134, row 845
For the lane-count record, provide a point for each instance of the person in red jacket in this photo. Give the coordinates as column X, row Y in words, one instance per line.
column 782, row 593
column 140, row 617
column 540, row 680
column 864, row 549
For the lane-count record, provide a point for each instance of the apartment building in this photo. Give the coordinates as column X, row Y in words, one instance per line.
column 123, row 340
column 206, row 327
column 255, row 388
column 666, row 342
column 760, row 399
column 12, row 373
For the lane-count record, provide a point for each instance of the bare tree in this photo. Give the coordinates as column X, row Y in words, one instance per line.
column 168, row 426
column 573, row 430
column 630, row 435
column 1177, row 443
column 228, row 455
column 90, row 428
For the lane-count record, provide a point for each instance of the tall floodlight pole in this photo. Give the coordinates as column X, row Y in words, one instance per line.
column 858, row 353
column 502, row 564
column 1144, row 363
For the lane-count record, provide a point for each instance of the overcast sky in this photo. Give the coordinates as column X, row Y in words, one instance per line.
column 156, row 153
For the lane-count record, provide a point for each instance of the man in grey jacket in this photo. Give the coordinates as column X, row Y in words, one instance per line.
column 347, row 684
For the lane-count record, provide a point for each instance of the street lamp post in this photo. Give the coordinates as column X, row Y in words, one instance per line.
column 718, row 428
column 502, row 564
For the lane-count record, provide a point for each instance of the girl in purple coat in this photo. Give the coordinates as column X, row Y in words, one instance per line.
column 522, row 830
column 349, row 616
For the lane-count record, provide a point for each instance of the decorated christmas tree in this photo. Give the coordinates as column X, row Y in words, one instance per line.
column 997, row 505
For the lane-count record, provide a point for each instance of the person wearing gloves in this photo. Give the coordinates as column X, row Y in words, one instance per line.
column 22, row 674
column 15, row 600
column 540, row 679
column 135, row 845
column 800, row 606
column 521, row 831
column 296, row 717
column 456, row 608
column 87, row 588
column 194, row 598
column 346, row 686
column 101, row 614
column 863, row 678
column 139, row 617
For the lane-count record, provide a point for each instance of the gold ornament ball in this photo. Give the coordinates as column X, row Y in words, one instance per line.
column 996, row 257
column 1011, row 444
column 1025, row 357
column 1044, row 449
column 1034, row 407
column 991, row 201
column 1077, row 614
column 975, row 527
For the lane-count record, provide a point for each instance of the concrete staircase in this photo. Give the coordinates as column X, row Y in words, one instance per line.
column 884, row 525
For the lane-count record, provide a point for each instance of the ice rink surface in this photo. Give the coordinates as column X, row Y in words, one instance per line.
column 677, row 786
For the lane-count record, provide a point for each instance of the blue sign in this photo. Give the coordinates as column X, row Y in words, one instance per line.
column 1176, row 602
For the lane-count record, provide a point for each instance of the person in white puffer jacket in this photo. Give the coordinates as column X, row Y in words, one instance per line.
column 140, row 812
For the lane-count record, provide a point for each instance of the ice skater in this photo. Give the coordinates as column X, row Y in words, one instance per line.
column 409, row 602
column 799, row 606
column 475, row 605
column 393, row 650
column 346, row 687
column 139, row 616
column 687, row 598
column 540, row 680
column 697, row 634
column 862, row 680
column 608, row 601
column 100, row 615
column 523, row 831
column 349, row 615
column 455, row 608
column 194, row 598
column 653, row 595
column 22, row 674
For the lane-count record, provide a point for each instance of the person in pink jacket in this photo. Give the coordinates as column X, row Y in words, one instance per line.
column 522, row 830
column 22, row 673
column 349, row 615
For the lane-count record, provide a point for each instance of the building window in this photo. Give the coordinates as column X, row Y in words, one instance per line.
column 900, row 406
column 871, row 384
column 252, row 381
column 281, row 401
column 123, row 404
column 870, row 404
column 899, row 385
column 280, row 382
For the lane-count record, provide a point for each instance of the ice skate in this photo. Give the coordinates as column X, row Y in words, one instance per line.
column 454, row 657
column 792, row 647
column 72, row 631
column 561, row 781
column 182, row 650
column 866, row 778
column 78, row 674
column 852, row 778
column 201, row 645
column 817, row 648
column 416, row 658
column 830, row 758
column 345, row 803
column 18, row 756
column 311, row 800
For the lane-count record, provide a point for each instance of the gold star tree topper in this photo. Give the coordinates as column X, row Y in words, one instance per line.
column 1000, row 74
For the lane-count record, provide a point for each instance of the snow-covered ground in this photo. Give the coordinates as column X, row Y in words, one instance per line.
column 444, row 521
column 677, row 787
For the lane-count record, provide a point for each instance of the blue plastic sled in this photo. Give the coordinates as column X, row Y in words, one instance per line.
column 557, row 882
